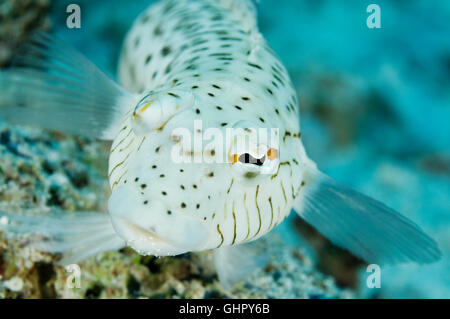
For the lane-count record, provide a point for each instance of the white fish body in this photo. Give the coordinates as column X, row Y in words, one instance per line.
column 186, row 61
column 199, row 48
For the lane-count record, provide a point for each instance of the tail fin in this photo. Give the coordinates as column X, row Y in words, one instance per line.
column 77, row 235
column 364, row 226
column 55, row 87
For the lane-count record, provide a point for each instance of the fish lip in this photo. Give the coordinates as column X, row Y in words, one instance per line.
column 151, row 233
column 145, row 241
column 143, row 231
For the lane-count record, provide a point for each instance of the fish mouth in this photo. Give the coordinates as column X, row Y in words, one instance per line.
column 144, row 241
column 150, row 231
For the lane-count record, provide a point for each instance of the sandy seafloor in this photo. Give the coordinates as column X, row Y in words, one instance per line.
column 375, row 113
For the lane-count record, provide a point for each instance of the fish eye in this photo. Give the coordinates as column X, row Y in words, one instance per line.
column 250, row 168
column 155, row 109
column 247, row 158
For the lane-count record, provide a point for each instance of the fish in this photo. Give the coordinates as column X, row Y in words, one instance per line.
column 193, row 70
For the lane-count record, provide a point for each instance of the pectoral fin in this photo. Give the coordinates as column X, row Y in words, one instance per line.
column 77, row 235
column 364, row 226
column 53, row 86
column 235, row 263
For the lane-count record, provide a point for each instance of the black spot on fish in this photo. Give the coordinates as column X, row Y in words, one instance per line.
column 217, row 17
column 169, row 6
column 157, row 31
column 256, row 66
column 174, row 95
column 145, row 18
column 165, row 50
column 250, row 175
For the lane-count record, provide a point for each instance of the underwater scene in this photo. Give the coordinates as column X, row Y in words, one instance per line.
column 103, row 195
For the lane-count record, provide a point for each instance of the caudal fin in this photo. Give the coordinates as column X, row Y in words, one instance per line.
column 76, row 235
column 364, row 226
column 52, row 86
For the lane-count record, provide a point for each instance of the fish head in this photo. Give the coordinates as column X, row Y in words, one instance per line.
column 183, row 173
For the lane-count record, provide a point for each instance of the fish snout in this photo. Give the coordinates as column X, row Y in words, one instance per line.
column 152, row 228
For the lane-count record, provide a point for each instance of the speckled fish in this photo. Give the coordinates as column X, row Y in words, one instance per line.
column 185, row 61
